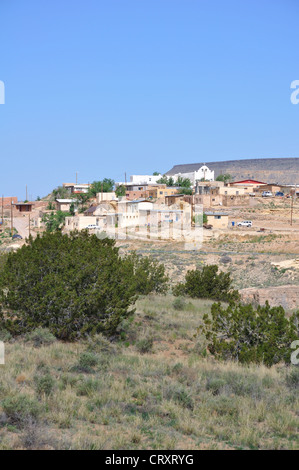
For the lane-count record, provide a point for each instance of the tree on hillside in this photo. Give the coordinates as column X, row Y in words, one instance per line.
column 243, row 333
column 150, row 275
column 82, row 201
column 120, row 191
column 72, row 209
column 60, row 193
column 183, row 182
column 54, row 221
column 163, row 180
column 186, row 191
column 225, row 178
column 206, row 283
column 74, row 285
column 106, row 185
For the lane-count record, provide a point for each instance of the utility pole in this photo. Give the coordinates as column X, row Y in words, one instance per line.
column 76, row 177
column 126, row 178
column 292, row 204
column 2, row 210
column 102, row 193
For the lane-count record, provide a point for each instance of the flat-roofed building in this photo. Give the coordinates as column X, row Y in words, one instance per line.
column 217, row 219
column 77, row 188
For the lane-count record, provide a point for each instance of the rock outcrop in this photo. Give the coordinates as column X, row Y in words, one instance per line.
column 269, row 170
column 286, row 296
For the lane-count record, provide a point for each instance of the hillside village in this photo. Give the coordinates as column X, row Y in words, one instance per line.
column 157, row 206
column 183, row 220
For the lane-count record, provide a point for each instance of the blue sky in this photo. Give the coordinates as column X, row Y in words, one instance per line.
column 105, row 87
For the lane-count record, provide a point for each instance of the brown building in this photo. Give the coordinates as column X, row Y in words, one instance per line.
column 217, row 219
column 273, row 187
column 24, row 206
column 174, row 199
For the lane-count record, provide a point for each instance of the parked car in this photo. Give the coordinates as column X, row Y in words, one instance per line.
column 267, row 194
column 17, row 237
column 245, row 223
column 279, row 194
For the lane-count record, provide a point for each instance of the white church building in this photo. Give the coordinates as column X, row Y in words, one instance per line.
column 203, row 173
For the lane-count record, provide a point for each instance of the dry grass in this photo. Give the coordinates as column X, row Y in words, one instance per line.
column 161, row 394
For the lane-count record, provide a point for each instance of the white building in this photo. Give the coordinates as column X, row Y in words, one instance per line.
column 203, row 173
column 145, row 179
column 77, row 188
column 141, row 179
column 106, row 197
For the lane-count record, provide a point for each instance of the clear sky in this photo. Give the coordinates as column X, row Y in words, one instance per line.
column 105, row 87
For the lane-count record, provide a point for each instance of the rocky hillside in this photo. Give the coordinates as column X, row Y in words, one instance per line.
column 286, row 296
column 270, row 170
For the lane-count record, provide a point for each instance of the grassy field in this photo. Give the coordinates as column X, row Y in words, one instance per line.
column 154, row 388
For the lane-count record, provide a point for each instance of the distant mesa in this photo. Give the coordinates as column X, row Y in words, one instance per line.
column 273, row 170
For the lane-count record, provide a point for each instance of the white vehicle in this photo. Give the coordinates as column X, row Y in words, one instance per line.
column 245, row 223
column 267, row 194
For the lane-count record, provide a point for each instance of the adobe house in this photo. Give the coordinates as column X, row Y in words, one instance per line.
column 64, row 204
column 249, row 185
column 273, row 187
column 174, row 199
column 24, row 207
column 217, row 219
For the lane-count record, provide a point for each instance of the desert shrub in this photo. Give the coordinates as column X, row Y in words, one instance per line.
column 224, row 406
column 180, row 395
column 5, row 335
column 44, row 385
column 206, row 283
column 20, row 408
column 40, row 337
column 145, row 345
column 87, row 387
column 87, row 360
column 234, row 383
column 225, row 259
column 3, row 260
column 179, row 303
column 243, row 333
column 74, row 285
column 149, row 275
column 68, row 380
column 215, row 385
column 101, row 345
column 292, row 378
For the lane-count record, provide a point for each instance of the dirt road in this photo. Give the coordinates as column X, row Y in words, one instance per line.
column 21, row 224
